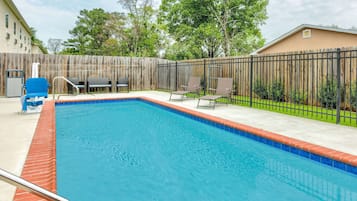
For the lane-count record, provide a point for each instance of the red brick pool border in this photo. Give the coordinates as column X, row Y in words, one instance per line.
column 40, row 165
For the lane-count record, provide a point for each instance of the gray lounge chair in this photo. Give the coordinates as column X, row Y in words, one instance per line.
column 223, row 90
column 99, row 82
column 80, row 84
column 123, row 82
column 193, row 86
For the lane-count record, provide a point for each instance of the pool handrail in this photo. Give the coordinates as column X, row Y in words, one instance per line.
column 65, row 79
column 28, row 186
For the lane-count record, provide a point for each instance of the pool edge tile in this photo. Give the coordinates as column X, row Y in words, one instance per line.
column 322, row 152
column 42, row 151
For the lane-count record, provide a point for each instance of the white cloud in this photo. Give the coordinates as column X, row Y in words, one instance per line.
column 48, row 21
column 54, row 18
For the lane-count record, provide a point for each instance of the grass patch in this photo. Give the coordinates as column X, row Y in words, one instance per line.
column 348, row 118
column 307, row 111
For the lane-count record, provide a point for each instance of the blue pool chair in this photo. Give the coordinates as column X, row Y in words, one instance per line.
column 36, row 91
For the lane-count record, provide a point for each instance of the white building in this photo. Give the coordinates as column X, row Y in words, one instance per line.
column 15, row 33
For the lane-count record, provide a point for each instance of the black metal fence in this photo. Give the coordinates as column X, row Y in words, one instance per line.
column 319, row 85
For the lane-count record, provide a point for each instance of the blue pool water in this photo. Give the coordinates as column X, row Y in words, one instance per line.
column 133, row 150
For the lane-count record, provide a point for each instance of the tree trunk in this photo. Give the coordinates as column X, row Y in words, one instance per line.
column 226, row 40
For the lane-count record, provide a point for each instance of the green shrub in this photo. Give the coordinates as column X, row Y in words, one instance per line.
column 235, row 89
column 354, row 97
column 328, row 94
column 298, row 97
column 276, row 91
column 260, row 89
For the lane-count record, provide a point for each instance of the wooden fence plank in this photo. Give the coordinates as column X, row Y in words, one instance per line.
column 142, row 72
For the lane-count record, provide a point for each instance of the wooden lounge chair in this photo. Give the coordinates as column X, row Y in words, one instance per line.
column 223, row 90
column 193, row 86
column 123, row 82
column 99, row 82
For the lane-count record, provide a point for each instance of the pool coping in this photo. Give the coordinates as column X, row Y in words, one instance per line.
column 40, row 165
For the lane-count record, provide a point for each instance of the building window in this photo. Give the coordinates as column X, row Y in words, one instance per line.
column 20, row 33
column 7, row 20
column 14, row 28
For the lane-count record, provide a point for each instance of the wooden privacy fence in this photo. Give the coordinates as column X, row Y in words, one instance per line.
column 142, row 72
column 320, row 83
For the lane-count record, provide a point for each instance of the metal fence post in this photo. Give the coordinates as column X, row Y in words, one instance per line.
column 169, row 74
column 204, row 77
column 176, row 76
column 131, row 73
column 338, row 105
column 251, row 81
column 158, row 74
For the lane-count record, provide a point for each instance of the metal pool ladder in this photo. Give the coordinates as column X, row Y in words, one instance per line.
column 28, row 186
column 65, row 79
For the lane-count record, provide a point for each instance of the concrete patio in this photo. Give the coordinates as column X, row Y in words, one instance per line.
column 16, row 130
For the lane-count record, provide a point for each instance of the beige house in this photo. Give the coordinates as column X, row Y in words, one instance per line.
column 36, row 49
column 15, row 33
column 311, row 37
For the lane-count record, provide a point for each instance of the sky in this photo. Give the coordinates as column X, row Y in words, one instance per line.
column 54, row 18
column 285, row 15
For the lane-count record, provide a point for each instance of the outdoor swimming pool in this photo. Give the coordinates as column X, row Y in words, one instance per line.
column 135, row 150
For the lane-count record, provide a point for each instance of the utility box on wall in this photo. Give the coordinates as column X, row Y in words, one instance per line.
column 14, row 82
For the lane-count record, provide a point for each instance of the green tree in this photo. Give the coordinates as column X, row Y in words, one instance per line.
column 54, row 45
column 210, row 38
column 142, row 35
column 182, row 51
column 234, row 24
column 115, row 25
column 36, row 41
column 204, row 42
column 128, row 34
column 111, row 47
column 89, row 34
